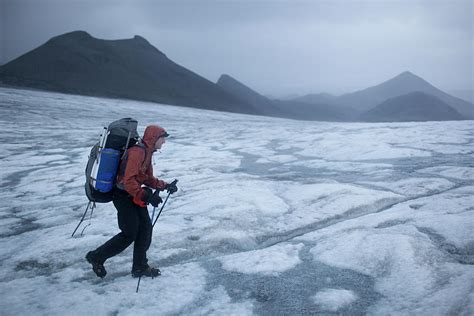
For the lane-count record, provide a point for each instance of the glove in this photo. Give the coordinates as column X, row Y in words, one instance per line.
column 155, row 199
column 142, row 202
column 148, row 193
column 171, row 187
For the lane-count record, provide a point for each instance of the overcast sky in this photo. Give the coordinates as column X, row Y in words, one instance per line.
column 275, row 47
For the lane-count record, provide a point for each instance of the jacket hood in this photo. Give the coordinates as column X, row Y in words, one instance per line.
column 151, row 135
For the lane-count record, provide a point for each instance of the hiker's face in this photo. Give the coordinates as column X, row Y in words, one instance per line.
column 160, row 142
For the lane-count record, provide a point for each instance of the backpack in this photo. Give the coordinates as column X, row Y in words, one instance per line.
column 104, row 162
column 105, row 156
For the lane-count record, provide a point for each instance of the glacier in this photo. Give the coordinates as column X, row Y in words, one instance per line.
column 273, row 216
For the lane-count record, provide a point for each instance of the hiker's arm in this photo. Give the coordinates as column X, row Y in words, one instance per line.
column 130, row 182
column 153, row 182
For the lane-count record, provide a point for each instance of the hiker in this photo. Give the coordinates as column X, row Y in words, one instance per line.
column 130, row 199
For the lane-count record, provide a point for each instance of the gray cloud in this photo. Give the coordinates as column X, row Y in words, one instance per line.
column 276, row 47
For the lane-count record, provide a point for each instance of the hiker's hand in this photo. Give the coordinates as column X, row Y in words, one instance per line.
column 171, row 187
column 139, row 202
column 143, row 201
column 155, row 199
column 148, row 193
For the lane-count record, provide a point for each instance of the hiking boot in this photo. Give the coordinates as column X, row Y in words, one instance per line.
column 147, row 272
column 97, row 266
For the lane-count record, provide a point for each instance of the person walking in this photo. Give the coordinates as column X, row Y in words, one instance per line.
column 133, row 192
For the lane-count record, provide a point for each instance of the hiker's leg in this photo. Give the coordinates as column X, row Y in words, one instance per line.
column 143, row 240
column 128, row 222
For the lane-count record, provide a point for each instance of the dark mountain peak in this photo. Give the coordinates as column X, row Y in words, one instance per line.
column 233, row 85
column 226, row 78
column 82, row 38
column 141, row 40
column 75, row 35
column 407, row 76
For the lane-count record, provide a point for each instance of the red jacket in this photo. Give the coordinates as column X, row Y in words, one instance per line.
column 138, row 168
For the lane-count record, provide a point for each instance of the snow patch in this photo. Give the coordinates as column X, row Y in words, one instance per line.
column 269, row 261
column 334, row 299
column 461, row 173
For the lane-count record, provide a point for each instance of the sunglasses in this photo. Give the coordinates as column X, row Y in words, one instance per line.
column 165, row 134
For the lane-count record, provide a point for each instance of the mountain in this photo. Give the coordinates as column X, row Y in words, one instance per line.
column 402, row 84
column 78, row 63
column 283, row 108
column 243, row 92
column 313, row 112
column 315, row 98
column 414, row 106
column 289, row 96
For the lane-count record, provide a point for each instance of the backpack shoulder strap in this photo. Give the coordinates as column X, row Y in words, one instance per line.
column 125, row 157
column 142, row 146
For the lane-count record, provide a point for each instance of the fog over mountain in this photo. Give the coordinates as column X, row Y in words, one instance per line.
column 404, row 83
column 414, row 106
column 317, row 98
column 285, row 108
column 465, row 94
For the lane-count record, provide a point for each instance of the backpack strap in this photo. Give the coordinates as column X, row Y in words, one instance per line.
column 124, row 158
column 126, row 145
column 142, row 146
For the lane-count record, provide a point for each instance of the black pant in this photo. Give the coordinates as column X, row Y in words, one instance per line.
column 135, row 226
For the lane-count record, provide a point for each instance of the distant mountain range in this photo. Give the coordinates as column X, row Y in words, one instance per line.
column 316, row 98
column 78, row 63
column 283, row 108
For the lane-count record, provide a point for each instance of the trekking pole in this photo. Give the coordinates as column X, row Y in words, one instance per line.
column 90, row 219
column 159, row 213
column 156, row 219
column 164, row 203
column 82, row 219
column 138, row 284
column 153, row 214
